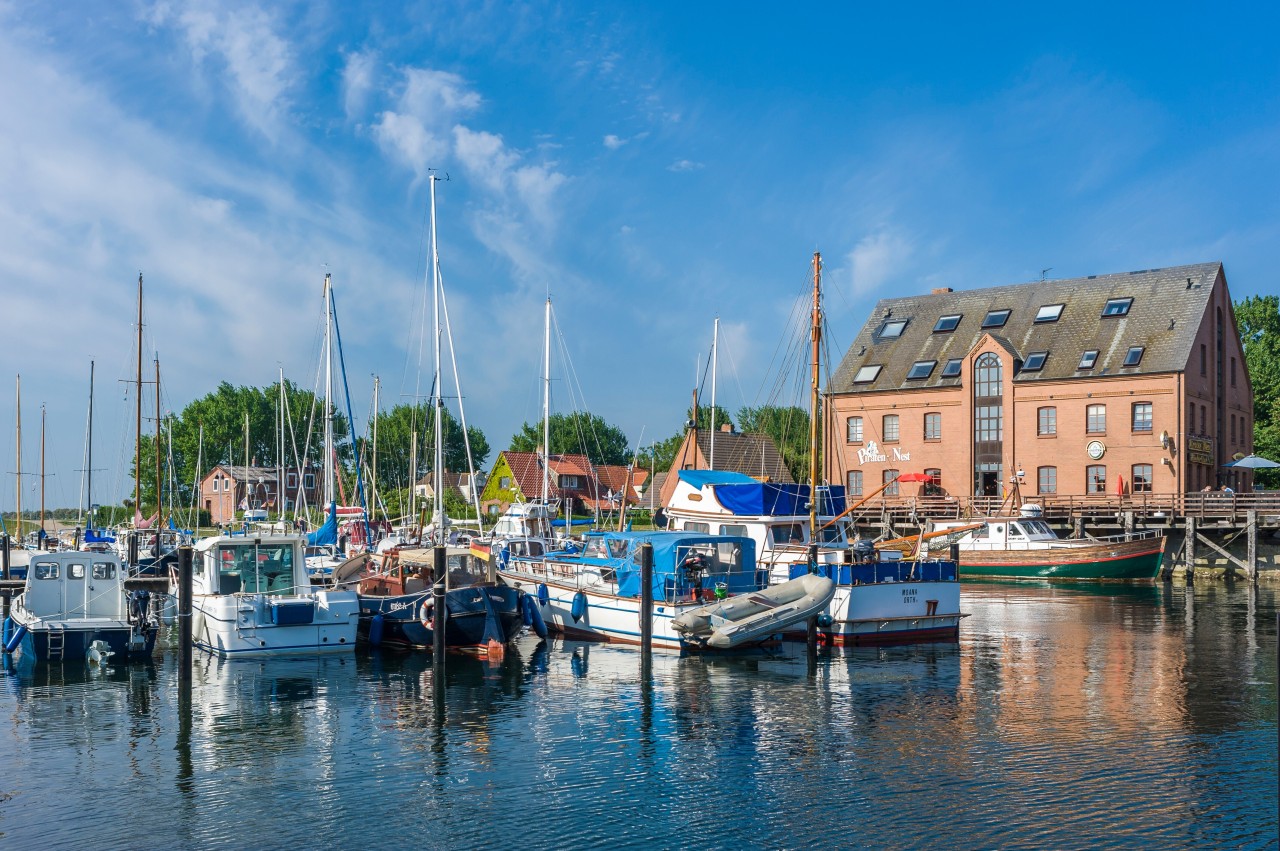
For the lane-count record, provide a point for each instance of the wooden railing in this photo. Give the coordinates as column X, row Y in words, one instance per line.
column 1214, row 506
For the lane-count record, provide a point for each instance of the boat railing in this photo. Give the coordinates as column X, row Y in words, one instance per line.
column 1205, row 506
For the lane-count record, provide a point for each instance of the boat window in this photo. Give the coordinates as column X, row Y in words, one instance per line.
column 618, row 548
column 787, row 533
column 733, row 529
column 75, row 571
column 997, row 529
column 593, row 548
column 1039, row 528
column 47, row 570
column 691, row 526
column 831, row 535
column 729, row 555
column 536, row 548
column 980, row 534
column 1015, row 531
column 104, row 570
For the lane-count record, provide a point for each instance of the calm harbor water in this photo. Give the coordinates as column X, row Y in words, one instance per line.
column 1066, row 717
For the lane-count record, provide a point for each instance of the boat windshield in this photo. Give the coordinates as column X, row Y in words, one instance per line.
column 1038, row 529
column 254, row 569
column 831, row 535
column 738, row 530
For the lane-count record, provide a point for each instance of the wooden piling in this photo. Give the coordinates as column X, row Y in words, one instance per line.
column 184, row 614
column 646, row 598
column 1079, row 524
column 1190, row 550
column 439, row 618
column 1251, row 539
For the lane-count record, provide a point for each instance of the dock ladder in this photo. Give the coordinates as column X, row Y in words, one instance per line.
column 57, row 643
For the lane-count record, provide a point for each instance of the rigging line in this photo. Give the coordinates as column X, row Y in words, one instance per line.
column 573, row 383
column 417, row 318
column 462, row 413
column 351, row 426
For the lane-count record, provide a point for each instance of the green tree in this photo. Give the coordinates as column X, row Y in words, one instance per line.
column 587, row 434
column 1258, row 321
column 789, row 428
column 396, row 430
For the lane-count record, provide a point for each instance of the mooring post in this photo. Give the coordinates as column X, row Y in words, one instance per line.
column 646, row 598
column 439, row 617
column 1190, row 550
column 1128, row 524
column 1251, row 539
column 1079, row 532
column 133, row 550
column 184, row 613
column 4, row 566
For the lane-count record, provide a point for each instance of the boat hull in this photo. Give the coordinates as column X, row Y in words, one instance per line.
column 468, row 624
column 76, row 641
column 889, row 602
column 1123, row 561
column 254, row 625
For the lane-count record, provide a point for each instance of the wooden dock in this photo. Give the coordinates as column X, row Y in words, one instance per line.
column 1213, row 533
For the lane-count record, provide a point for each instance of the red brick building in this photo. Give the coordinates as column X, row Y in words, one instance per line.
column 1133, row 382
column 229, row 489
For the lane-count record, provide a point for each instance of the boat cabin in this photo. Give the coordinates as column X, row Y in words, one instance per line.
column 236, row 565
column 74, row 585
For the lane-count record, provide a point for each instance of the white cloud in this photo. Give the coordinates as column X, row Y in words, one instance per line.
column 684, row 165
column 875, row 259
column 403, row 137
column 485, row 157
column 429, row 105
column 258, row 63
column 612, row 142
column 357, row 82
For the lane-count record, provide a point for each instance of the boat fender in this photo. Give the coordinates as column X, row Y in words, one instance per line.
column 579, row 606
column 7, row 631
column 15, row 639
column 375, row 629
column 825, row 620
column 427, row 614
column 539, row 625
column 544, row 596
column 526, row 607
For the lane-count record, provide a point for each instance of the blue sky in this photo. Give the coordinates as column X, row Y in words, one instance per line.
column 652, row 166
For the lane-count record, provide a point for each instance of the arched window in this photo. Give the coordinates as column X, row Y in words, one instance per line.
column 988, row 425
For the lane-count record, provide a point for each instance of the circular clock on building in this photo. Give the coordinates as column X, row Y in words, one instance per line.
column 1096, row 449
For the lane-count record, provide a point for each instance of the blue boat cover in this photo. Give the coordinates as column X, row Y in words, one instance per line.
column 744, row 495
column 92, row 537
column 560, row 522
column 328, row 532
column 670, row 549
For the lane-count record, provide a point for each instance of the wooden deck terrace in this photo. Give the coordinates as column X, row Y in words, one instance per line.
column 1230, row 509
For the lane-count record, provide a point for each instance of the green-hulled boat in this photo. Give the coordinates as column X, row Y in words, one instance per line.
column 1025, row 547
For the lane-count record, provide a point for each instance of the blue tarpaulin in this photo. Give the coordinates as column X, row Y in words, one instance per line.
column 744, row 495
column 327, row 533
column 670, row 549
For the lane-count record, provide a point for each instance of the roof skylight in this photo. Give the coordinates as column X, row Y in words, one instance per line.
column 868, row 374
column 1049, row 313
column 947, row 323
column 1117, row 307
column 921, row 369
column 996, row 319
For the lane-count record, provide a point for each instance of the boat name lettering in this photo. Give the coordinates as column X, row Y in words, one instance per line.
column 397, row 607
column 908, row 595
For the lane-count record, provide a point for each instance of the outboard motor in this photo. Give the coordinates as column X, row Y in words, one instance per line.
column 864, row 551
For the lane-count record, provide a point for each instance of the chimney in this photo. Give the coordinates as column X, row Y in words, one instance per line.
column 941, row 290
column 726, row 428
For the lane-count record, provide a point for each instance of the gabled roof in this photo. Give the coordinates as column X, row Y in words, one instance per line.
column 755, row 455
column 1168, row 306
column 245, row 474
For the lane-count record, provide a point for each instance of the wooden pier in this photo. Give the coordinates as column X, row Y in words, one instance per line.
column 1209, row 533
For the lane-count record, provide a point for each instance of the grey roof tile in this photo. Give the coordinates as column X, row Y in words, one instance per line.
column 1167, row 308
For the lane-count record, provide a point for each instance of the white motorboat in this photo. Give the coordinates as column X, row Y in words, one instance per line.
column 251, row 596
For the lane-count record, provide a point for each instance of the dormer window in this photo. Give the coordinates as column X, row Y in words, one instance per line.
column 1049, row 313
column 947, row 323
column 1117, row 307
column 1088, row 359
column 892, row 329
column 868, row 374
column 1133, row 357
column 996, row 319
column 952, row 368
column 1034, row 361
column 921, row 369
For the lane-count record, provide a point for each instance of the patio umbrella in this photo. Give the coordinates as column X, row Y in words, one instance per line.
column 1119, row 485
column 921, row 477
column 1252, row 462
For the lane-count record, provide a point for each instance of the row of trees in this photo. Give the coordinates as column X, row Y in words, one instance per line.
column 1258, row 321
column 233, row 424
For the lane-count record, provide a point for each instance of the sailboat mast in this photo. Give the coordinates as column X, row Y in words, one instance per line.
column 137, row 451
column 159, row 501
column 17, row 520
column 438, row 505
column 88, row 467
column 328, row 391
column 373, row 484
column 546, row 404
column 41, row 476
column 281, row 497
column 815, row 334
column 715, row 354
